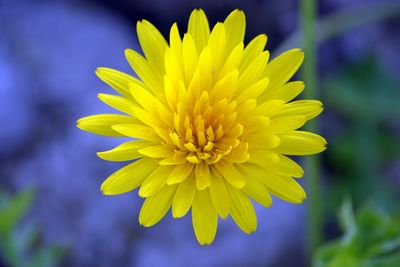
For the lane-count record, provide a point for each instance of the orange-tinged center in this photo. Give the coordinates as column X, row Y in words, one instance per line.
column 208, row 131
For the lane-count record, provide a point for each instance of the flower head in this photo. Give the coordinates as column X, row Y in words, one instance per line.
column 211, row 124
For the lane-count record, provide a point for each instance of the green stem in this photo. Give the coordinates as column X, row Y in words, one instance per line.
column 363, row 15
column 308, row 10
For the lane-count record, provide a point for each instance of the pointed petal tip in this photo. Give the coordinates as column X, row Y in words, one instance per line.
column 101, row 155
column 199, row 10
column 101, row 96
column 225, row 215
column 171, row 181
column 297, row 50
column 98, row 71
column 238, row 13
column 128, row 51
column 176, row 214
column 143, row 224
column 143, row 193
column 205, row 243
column 324, row 142
column 249, row 231
column 141, row 22
column 80, row 124
column 263, row 36
column 104, row 191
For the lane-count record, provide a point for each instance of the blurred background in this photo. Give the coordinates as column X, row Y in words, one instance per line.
column 51, row 210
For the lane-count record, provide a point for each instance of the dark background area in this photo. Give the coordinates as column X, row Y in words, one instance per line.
column 49, row 51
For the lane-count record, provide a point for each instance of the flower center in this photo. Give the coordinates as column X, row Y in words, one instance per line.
column 206, row 130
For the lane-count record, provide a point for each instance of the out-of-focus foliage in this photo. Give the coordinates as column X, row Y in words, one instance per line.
column 20, row 244
column 370, row 239
column 366, row 99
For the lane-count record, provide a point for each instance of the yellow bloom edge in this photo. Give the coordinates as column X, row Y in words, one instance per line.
column 212, row 122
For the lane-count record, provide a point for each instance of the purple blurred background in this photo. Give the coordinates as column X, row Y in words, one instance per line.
column 48, row 53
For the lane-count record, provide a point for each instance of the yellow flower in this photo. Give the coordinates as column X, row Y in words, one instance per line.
column 211, row 124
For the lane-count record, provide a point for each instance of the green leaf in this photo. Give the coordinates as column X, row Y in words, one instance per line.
column 371, row 239
column 47, row 257
column 346, row 218
column 11, row 214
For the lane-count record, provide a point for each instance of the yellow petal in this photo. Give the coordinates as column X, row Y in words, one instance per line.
column 283, row 67
column 157, row 151
column 171, row 95
column 129, row 177
column 225, row 87
column 155, row 182
column 287, row 189
column 281, row 186
column 180, row 173
column 151, row 104
column 119, row 103
column 301, row 143
column 253, row 91
column 102, row 123
column 307, row 108
column 189, row 56
column 124, row 152
column 155, row 207
column 261, row 157
column 219, row 195
column 231, row 174
column 256, row 125
column 137, row 131
column 143, row 97
column 258, row 191
column 270, row 107
column 173, row 67
column 245, row 109
column 183, row 198
column 202, row 175
column 147, row 118
column 204, row 218
column 242, row 210
column 285, row 124
column 176, row 159
column 195, row 89
column 153, row 44
column 217, row 45
column 285, row 92
column 232, row 62
column 198, row 28
column 118, row 80
column 147, row 73
column 284, row 166
column 239, row 154
column 235, row 26
column 252, row 50
column 206, row 68
column 175, row 40
column 253, row 72
column 263, row 141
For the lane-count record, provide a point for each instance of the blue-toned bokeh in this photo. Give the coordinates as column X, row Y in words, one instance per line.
column 49, row 51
